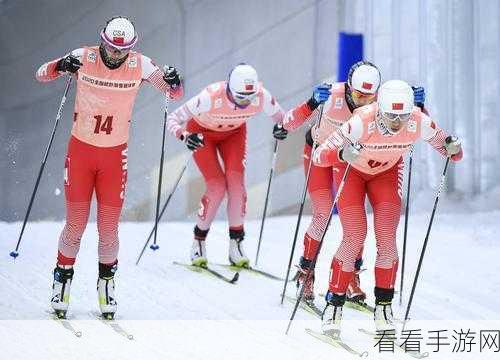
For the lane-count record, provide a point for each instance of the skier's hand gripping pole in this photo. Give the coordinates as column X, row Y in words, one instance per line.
column 15, row 253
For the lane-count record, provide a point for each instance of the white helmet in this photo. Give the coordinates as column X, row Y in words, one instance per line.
column 364, row 77
column 395, row 103
column 243, row 84
column 119, row 33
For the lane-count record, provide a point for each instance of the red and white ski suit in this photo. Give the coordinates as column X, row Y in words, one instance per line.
column 320, row 186
column 223, row 126
column 377, row 172
column 97, row 150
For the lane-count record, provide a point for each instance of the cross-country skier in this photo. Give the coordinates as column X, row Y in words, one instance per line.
column 340, row 100
column 384, row 131
column 108, row 78
column 213, row 124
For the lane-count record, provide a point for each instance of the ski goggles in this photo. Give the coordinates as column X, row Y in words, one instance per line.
column 244, row 98
column 394, row 122
column 358, row 95
column 114, row 51
column 396, row 117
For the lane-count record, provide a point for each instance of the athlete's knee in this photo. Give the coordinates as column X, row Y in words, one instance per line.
column 73, row 232
column 216, row 188
column 107, row 220
column 387, row 254
column 235, row 181
column 76, row 220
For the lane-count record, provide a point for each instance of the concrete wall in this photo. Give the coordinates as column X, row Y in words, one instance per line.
column 451, row 47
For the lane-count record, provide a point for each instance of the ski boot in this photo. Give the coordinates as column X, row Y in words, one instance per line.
column 237, row 256
column 384, row 319
column 63, row 276
column 301, row 278
column 332, row 315
column 198, row 250
column 199, row 253
column 354, row 292
column 106, row 290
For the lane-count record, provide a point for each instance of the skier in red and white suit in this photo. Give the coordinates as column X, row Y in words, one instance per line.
column 213, row 125
column 340, row 100
column 373, row 141
column 108, row 78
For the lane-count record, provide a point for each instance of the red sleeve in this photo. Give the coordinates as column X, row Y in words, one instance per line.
column 294, row 118
column 48, row 72
column 156, row 80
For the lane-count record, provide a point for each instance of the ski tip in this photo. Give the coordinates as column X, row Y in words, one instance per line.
column 14, row 254
column 154, row 247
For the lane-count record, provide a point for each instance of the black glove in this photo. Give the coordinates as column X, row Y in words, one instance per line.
column 171, row 76
column 279, row 132
column 193, row 141
column 69, row 63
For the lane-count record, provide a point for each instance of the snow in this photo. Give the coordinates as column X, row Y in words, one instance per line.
column 175, row 313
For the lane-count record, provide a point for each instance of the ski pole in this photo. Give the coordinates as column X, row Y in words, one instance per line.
column 15, row 253
column 299, row 216
column 311, row 267
column 407, row 211
column 154, row 246
column 273, row 166
column 163, row 210
column 422, row 253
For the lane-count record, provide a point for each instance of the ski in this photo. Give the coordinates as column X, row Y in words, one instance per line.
column 308, row 306
column 61, row 319
column 361, row 306
column 336, row 342
column 357, row 305
column 114, row 325
column 397, row 346
column 210, row 271
column 253, row 270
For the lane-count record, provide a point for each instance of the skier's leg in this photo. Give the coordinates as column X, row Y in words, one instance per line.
column 320, row 192
column 79, row 177
column 207, row 160
column 111, row 181
column 353, row 219
column 233, row 152
column 78, row 185
column 384, row 192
